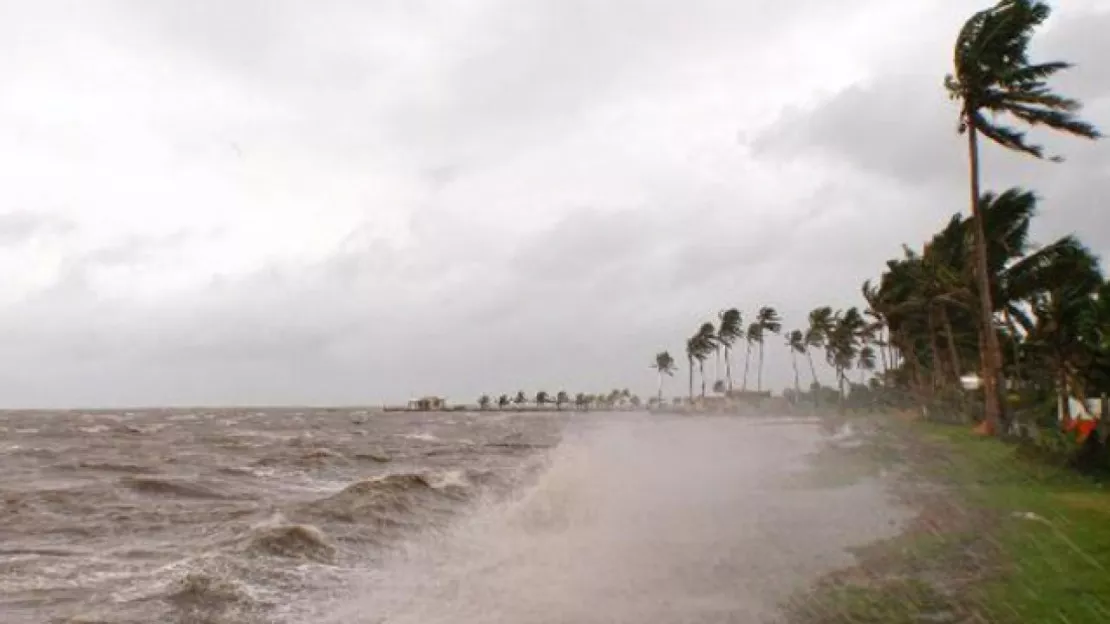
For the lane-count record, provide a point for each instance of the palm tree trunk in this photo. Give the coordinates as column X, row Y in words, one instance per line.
column 1065, row 401
column 691, row 368
column 812, row 369
column 701, row 371
column 797, row 382
column 660, row 396
column 992, row 357
column 717, row 366
column 747, row 362
column 728, row 367
column 759, row 373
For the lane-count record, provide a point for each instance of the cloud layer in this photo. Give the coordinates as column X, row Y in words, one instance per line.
column 352, row 202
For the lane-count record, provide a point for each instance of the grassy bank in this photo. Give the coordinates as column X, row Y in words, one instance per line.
column 997, row 538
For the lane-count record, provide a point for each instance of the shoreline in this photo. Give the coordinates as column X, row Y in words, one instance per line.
column 994, row 537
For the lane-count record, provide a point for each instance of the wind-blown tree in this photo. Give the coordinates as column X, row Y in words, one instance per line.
column 993, row 79
column 484, row 402
column 520, row 399
column 796, row 342
column 770, row 323
column 692, row 346
column 730, row 330
column 542, row 398
column 580, row 401
column 821, row 322
column 665, row 367
column 753, row 335
column 707, row 337
column 561, row 399
column 503, row 401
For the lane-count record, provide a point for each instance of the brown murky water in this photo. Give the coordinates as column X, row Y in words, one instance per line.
column 193, row 516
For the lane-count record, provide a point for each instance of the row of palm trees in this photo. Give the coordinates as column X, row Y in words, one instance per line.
column 849, row 341
column 611, row 399
column 978, row 296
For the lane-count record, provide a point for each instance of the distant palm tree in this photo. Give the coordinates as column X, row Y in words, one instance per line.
column 520, row 398
column 729, row 331
column 484, row 402
column 503, row 401
column 707, row 339
column 821, row 323
column 796, row 341
column 692, row 346
column 561, row 399
column 664, row 365
column 542, row 398
column 580, row 401
column 769, row 322
column 994, row 77
column 753, row 335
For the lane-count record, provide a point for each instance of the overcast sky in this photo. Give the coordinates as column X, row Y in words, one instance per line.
column 340, row 202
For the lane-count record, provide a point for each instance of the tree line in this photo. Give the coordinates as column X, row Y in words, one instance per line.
column 612, row 399
column 1032, row 322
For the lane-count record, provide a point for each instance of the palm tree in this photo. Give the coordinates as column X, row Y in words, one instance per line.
column 502, row 401
column 664, row 365
column 820, row 324
column 729, row 331
column 692, row 346
column 707, row 340
column 753, row 335
column 769, row 321
column 796, row 341
column 542, row 399
column 520, row 398
column 561, row 399
column 581, row 401
column 993, row 78
column 484, row 402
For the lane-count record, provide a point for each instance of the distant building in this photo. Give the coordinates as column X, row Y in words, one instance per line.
column 427, row 404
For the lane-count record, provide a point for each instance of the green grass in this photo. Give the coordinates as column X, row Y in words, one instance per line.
column 1053, row 530
column 1023, row 542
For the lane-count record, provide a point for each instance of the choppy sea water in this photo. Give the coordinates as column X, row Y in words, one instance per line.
column 356, row 516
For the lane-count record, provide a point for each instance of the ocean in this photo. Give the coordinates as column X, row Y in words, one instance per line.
column 191, row 516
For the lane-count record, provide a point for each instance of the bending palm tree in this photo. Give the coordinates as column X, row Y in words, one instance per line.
column 754, row 334
column 692, row 346
column 820, row 324
column 707, row 343
column 769, row 321
column 993, row 76
column 796, row 341
column 664, row 365
column 730, row 330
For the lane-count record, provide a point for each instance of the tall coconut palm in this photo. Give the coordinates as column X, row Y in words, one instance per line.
column 753, row 335
column 796, row 342
column 665, row 366
column 820, row 325
column 730, row 330
column 707, row 343
column 769, row 322
column 994, row 78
